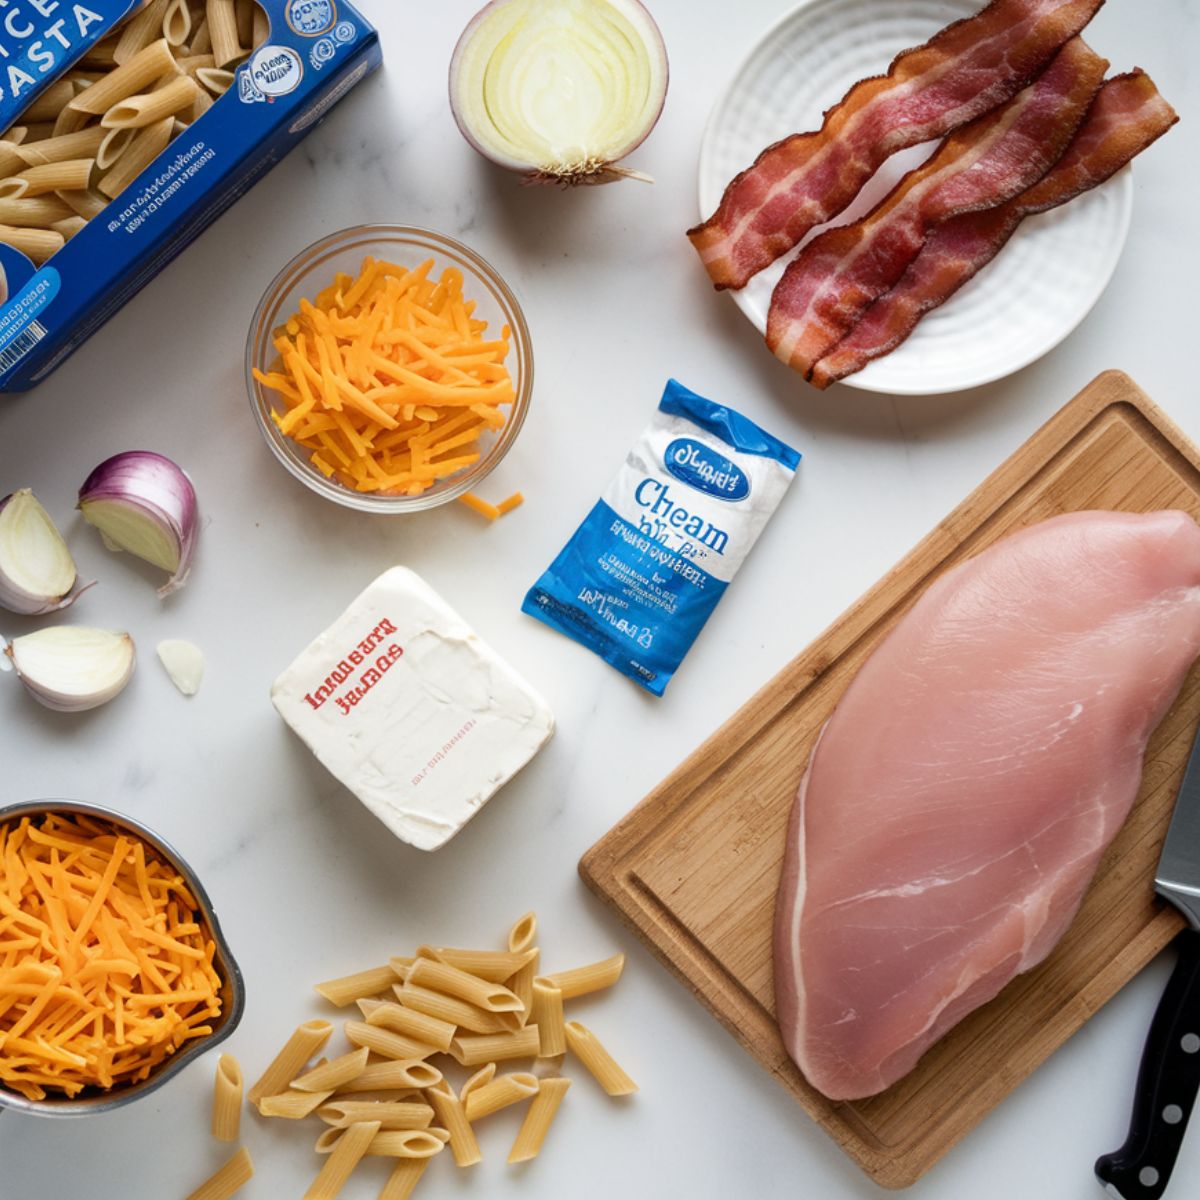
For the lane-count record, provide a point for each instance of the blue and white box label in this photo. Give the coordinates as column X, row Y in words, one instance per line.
column 643, row 573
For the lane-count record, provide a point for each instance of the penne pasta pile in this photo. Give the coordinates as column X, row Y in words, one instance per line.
column 91, row 133
column 388, row 1095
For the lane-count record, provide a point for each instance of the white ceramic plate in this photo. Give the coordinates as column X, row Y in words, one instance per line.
column 1020, row 306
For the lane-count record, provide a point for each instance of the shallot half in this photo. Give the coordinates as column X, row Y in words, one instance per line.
column 559, row 90
column 37, row 572
column 70, row 668
column 142, row 502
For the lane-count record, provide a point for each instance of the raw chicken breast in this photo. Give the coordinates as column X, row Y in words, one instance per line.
column 960, row 797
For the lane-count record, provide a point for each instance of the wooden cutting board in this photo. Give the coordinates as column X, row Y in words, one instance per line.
column 695, row 866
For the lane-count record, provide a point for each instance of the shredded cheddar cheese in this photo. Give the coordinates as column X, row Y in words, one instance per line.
column 388, row 379
column 105, row 969
column 492, row 511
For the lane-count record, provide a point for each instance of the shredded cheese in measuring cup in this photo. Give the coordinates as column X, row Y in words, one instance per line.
column 644, row 571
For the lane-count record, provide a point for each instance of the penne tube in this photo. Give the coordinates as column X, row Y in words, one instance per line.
column 73, row 175
column 345, row 1156
column 69, row 226
column 579, row 981
column 393, row 1076
column 177, row 23
column 261, row 27
column 450, row 1008
column 138, row 32
column 84, row 144
column 493, row 965
column 521, row 984
column 332, row 1075
column 235, row 1174
column 11, row 162
column 292, row 1105
column 37, row 245
column 202, row 104
column 87, row 204
column 227, row 1093
column 441, row 977
column 481, row 1077
column 223, row 29
column 391, row 1114
column 538, row 1119
column 500, row 1093
column 286, row 1065
column 419, row 1026
column 547, row 1015
column 349, row 988
column 193, row 62
column 523, row 933
column 38, row 131
column 70, row 120
column 145, row 68
column 216, row 79
column 587, row 1048
column 389, row 1143
column 385, row 1042
column 403, row 1180
column 16, row 134
column 51, row 102
column 146, row 146
column 471, row 1050
column 201, row 37
column 449, row 1110
column 115, row 143
column 243, row 11
column 148, row 108
column 42, row 212
column 100, row 57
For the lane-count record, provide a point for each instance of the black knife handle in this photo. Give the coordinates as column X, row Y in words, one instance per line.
column 1166, row 1088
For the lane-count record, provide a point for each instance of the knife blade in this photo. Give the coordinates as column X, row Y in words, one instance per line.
column 1169, row 1077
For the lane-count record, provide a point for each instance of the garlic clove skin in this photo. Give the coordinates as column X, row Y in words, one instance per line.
column 37, row 572
column 72, row 668
column 184, row 664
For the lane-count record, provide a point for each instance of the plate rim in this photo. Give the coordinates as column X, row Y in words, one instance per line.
column 1122, row 179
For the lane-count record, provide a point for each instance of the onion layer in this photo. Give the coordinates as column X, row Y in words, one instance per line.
column 559, row 90
column 37, row 572
column 142, row 502
column 70, row 668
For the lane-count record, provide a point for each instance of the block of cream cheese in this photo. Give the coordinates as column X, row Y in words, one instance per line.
column 421, row 720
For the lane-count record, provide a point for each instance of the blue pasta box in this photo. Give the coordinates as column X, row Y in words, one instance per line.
column 129, row 127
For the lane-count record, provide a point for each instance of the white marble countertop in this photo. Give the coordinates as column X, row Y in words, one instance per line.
column 306, row 882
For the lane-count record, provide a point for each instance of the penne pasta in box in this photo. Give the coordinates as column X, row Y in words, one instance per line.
column 149, row 120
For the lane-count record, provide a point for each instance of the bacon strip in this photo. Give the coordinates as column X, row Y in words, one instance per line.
column 962, row 72
column 1127, row 115
column 835, row 278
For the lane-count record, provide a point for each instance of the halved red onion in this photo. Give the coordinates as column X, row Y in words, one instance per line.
column 37, row 572
column 559, row 90
column 143, row 503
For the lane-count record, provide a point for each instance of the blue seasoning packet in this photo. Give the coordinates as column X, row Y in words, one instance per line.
column 644, row 571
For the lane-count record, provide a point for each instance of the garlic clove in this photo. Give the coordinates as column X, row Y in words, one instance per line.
column 37, row 572
column 184, row 663
column 71, row 668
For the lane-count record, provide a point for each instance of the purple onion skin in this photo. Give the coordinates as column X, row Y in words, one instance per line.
column 523, row 168
column 157, row 483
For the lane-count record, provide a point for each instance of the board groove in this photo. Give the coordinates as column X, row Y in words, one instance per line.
column 693, row 869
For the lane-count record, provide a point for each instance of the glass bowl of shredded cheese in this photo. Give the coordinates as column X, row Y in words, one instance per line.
column 122, row 975
column 389, row 368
